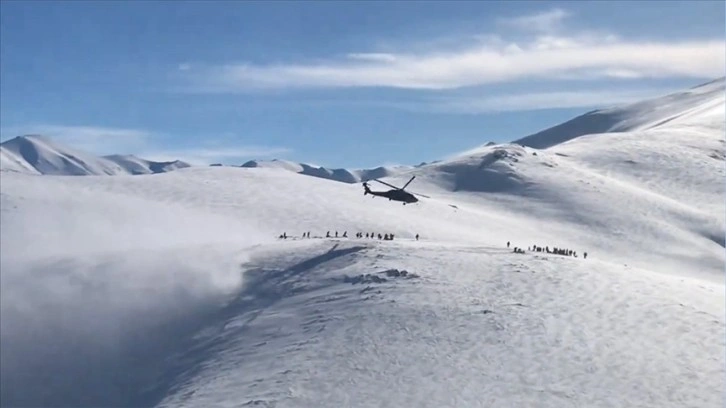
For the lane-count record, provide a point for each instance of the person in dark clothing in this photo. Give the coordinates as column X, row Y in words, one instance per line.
column 416, row 237
column 345, row 234
column 327, row 235
column 507, row 244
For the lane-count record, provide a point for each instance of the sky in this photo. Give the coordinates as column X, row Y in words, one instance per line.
column 337, row 84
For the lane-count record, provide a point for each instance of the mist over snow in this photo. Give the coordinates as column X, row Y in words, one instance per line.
column 173, row 289
column 97, row 286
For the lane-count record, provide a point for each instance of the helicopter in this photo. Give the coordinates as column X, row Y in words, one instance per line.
column 397, row 194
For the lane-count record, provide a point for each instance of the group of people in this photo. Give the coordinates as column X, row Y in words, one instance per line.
column 369, row 235
column 385, row 237
column 547, row 249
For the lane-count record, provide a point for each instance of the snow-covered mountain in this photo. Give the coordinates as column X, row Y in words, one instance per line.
column 703, row 103
column 36, row 154
column 649, row 114
column 342, row 175
column 174, row 290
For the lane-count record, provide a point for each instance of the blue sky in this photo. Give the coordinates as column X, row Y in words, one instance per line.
column 339, row 84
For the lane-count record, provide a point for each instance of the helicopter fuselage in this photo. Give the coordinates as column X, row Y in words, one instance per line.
column 395, row 195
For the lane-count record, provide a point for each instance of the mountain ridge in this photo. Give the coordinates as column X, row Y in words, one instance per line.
column 647, row 114
column 39, row 155
column 338, row 174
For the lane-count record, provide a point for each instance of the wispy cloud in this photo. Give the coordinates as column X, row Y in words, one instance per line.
column 545, row 21
column 539, row 101
column 373, row 56
column 545, row 50
column 144, row 143
column 553, row 57
column 486, row 101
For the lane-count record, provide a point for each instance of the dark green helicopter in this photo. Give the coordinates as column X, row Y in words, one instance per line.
column 397, row 194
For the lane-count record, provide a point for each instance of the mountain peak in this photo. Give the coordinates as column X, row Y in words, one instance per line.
column 38, row 154
column 660, row 111
column 32, row 136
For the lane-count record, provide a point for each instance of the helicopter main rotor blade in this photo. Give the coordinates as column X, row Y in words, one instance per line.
column 422, row 195
column 409, row 182
column 389, row 185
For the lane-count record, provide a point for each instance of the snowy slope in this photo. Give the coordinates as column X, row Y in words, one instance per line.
column 342, row 175
column 173, row 290
column 649, row 114
column 10, row 161
column 669, row 176
column 672, row 211
column 35, row 154
column 478, row 327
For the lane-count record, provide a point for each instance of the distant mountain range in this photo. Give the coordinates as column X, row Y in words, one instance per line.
column 342, row 175
column 36, row 154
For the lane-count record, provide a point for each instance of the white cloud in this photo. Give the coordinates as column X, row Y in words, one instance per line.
column 543, row 59
column 545, row 21
column 551, row 52
column 537, row 101
column 373, row 56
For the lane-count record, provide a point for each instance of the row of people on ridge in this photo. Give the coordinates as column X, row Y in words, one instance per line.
column 547, row 249
column 385, row 237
